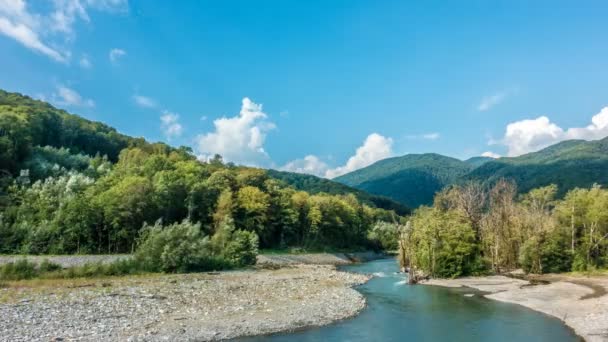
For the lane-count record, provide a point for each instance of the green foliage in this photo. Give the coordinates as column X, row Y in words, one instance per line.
column 444, row 244
column 21, row 269
column 179, row 247
column 70, row 185
column 385, row 234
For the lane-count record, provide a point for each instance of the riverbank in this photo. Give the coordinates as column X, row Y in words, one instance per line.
column 580, row 302
column 185, row 307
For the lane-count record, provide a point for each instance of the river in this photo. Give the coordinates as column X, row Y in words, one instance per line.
column 399, row 312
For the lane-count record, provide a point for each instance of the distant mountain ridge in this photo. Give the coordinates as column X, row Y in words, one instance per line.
column 413, row 179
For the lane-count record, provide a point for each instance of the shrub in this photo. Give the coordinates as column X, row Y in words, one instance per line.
column 21, row 269
column 46, row 266
column 180, row 247
column 385, row 234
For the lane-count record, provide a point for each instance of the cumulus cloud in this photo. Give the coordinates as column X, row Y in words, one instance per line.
column 239, row 139
column 310, row 164
column 170, row 126
column 490, row 154
column 27, row 28
column 374, row 148
column 144, row 101
column 534, row 134
column 69, row 97
column 115, row 55
column 490, row 101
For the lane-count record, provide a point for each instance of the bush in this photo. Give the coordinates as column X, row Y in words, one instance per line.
column 242, row 250
column 18, row 270
column 385, row 234
column 46, row 266
column 180, row 247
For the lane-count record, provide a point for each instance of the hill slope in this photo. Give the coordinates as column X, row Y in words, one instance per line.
column 412, row 179
column 569, row 164
column 314, row 185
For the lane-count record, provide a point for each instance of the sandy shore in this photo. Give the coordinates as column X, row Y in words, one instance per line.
column 580, row 302
column 201, row 307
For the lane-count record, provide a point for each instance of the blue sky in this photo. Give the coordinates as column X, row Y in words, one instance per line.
column 341, row 84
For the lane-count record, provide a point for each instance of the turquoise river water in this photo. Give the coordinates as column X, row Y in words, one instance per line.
column 400, row 312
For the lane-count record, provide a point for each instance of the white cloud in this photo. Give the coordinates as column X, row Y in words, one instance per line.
column 534, row 134
column 490, row 154
column 69, row 97
column 310, row 164
column 170, row 126
column 239, row 139
column 374, row 148
column 144, row 101
column 27, row 28
column 115, row 54
column 424, row 136
column 490, row 101
column 85, row 62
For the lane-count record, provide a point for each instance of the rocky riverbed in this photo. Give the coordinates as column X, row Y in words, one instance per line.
column 189, row 307
column 580, row 302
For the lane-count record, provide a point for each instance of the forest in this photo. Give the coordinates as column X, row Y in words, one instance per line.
column 70, row 185
column 471, row 229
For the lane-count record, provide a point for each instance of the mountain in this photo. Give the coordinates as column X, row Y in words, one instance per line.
column 412, row 179
column 478, row 161
column 568, row 164
column 314, row 185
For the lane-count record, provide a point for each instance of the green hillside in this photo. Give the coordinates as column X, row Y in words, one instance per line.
column 569, row 164
column 315, row 185
column 70, row 185
column 412, row 179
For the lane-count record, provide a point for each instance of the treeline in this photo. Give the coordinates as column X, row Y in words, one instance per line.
column 67, row 203
column 473, row 230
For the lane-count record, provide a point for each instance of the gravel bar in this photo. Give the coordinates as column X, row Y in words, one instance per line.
column 187, row 307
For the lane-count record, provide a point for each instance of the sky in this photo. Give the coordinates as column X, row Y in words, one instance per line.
column 321, row 87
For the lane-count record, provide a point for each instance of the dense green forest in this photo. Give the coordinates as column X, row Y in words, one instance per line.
column 412, row 179
column 314, row 185
column 415, row 179
column 69, row 185
column 472, row 230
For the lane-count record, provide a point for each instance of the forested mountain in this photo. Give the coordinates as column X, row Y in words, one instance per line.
column 315, row 185
column 414, row 179
column 569, row 164
column 70, row 185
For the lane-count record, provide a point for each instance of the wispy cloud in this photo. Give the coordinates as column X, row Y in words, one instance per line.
column 36, row 31
column 85, row 62
column 115, row 55
column 144, row 101
column 170, row 125
column 424, row 136
column 65, row 96
column 492, row 100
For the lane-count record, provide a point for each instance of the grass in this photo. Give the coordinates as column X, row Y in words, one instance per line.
column 23, row 270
